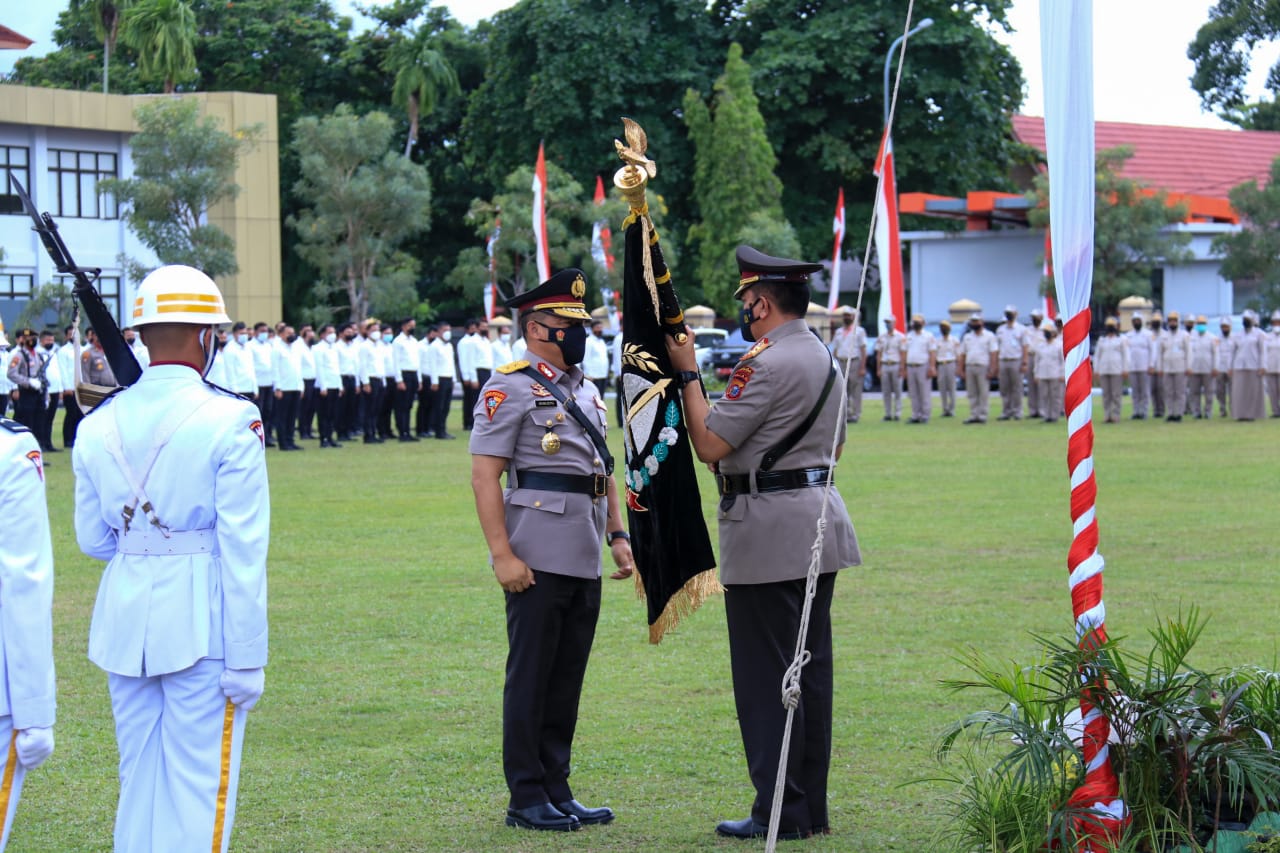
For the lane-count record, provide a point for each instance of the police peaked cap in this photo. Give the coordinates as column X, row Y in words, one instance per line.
column 561, row 295
column 756, row 267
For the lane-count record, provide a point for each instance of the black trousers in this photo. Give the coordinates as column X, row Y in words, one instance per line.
column 267, row 410
column 469, row 397
column 371, row 407
column 50, row 412
column 28, row 410
column 763, row 622
column 404, row 401
column 287, row 417
column 71, row 422
column 444, row 399
column 327, row 408
column 307, row 408
column 423, row 420
column 550, row 627
column 349, row 408
column 386, row 407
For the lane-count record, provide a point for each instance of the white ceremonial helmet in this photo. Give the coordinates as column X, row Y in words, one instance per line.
column 179, row 294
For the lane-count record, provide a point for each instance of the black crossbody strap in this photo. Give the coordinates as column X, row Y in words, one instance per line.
column 575, row 412
column 773, row 454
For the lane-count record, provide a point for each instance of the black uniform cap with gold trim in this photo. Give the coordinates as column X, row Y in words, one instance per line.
column 755, row 267
column 561, row 295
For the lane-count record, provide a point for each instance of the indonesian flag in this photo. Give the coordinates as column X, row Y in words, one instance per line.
column 837, row 227
column 1049, row 310
column 888, row 248
column 540, row 216
column 601, row 239
column 491, row 247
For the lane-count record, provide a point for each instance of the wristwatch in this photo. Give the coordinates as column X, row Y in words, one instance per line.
column 619, row 534
column 684, row 377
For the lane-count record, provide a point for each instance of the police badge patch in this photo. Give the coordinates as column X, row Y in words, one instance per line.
column 738, row 382
column 492, row 400
column 256, row 426
column 38, row 461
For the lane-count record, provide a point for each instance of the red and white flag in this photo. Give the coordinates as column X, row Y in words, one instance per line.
column 601, row 239
column 490, row 288
column 888, row 247
column 540, row 216
column 1049, row 310
column 837, row 227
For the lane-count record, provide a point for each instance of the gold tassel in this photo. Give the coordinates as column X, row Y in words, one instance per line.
column 696, row 590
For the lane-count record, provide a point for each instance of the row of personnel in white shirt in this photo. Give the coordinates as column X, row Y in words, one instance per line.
column 261, row 359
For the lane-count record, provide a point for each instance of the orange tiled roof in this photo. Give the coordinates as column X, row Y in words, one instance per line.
column 1200, row 161
column 11, row 39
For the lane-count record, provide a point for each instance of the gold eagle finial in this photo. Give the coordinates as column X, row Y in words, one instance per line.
column 633, row 152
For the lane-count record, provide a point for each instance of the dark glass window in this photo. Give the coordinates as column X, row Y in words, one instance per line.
column 16, row 285
column 74, row 177
column 17, row 160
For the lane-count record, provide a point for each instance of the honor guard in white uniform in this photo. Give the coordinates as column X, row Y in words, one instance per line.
column 542, row 424
column 782, row 410
column 849, row 346
column 238, row 369
column 26, row 617
column 171, row 489
column 1112, row 360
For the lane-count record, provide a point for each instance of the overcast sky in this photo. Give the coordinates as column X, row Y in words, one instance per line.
column 1140, row 52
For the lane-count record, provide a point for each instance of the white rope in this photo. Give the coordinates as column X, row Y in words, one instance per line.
column 791, row 691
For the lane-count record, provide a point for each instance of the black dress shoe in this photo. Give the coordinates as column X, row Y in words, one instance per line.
column 445, row 436
column 373, row 441
column 585, row 815
column 748, row 828
column 544, row 816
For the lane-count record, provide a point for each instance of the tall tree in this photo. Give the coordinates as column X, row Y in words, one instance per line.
column 362, row 202
column 1253, row 252
column 163, row 32
column 182, row 165
column 817, row 66
column 1131, row 235
column 422, row 76
column 1222, row 52
column 107, row 15
column 733, row 176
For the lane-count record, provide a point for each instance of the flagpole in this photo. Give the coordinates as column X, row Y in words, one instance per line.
column 541, row 249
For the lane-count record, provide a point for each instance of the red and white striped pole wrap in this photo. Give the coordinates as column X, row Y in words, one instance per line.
column 1066, row 44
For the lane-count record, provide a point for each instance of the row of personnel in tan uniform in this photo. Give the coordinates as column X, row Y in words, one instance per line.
column 1175, row 368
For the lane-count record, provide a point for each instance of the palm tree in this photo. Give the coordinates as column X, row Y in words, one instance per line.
column 423, row 74
column 106, row 24
column 163, row 32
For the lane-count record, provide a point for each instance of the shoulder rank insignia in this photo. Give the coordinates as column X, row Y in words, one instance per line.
column 539, row 391
column 492, row 400
column 545, row 370
column 12, row 426
column 761, row 345
column 738, row 382
column 513, row 366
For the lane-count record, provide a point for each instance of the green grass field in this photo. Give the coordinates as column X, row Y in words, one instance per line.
column 379, row 730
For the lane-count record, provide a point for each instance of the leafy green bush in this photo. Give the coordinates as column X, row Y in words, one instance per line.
column 1193, row 749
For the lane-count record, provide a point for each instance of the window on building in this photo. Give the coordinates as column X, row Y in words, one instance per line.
column 75, row 176
column 14, row 160
column 1157, row 287
column 108, row 286
column 16, row 285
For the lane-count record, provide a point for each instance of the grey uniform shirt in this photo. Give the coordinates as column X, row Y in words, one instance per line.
column 557, row 532
column 767, row 537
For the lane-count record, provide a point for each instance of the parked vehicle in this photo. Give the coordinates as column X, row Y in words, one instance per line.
column 704, row 340
column 725, row 355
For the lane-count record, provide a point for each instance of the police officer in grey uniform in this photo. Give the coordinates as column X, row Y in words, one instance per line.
column 544, row 533
column 784, row 412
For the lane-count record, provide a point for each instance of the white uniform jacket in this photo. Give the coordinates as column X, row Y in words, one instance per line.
column 26, row 584
column 158, row 613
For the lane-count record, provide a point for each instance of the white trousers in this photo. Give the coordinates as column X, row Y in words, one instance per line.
column 179, row 740
column 11, row 775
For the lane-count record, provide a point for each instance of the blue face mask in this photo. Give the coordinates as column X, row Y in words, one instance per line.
column 242, row 339
column 262, row 337
column 387, row 338
column 1201, row 327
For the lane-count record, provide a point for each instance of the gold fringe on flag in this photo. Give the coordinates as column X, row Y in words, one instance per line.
column 696, row 590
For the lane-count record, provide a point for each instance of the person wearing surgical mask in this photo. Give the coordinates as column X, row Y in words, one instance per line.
column 1203, row 346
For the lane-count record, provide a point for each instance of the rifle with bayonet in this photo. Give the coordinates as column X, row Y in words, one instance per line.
column 119, row 356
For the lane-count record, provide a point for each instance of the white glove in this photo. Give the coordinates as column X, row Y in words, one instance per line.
column 243, row 686
column 34, row 746
column 35, row 384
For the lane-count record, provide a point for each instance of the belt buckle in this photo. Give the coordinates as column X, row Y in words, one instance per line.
column 599, row 486
column 726, row 485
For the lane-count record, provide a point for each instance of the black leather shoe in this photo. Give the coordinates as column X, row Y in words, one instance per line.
column 748, row 828
column 404, row 436
column 585, row 815
column 544, row 816
column 446, row 436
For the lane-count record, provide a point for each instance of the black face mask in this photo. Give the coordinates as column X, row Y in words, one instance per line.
column 1226, row 331
column 1137, row 325
column 1248, row 324
column 572, row 342
column 973, row 327
column 1009, row 315
column 915, row 327
column 745, row 318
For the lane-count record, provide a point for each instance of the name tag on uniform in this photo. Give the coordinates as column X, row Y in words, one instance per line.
column 545, row 404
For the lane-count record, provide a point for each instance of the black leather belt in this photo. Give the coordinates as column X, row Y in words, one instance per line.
column 592, row 485
column 771, row 481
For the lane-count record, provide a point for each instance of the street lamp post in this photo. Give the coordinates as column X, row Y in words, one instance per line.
column 924, row 24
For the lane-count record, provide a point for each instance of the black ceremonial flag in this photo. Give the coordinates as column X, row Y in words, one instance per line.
column 668, row 533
